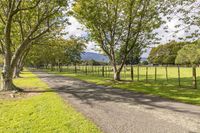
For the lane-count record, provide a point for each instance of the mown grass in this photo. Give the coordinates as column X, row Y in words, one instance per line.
column 42, row 113
column 163, row 88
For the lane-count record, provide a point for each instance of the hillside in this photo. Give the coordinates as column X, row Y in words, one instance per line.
column 94, row 56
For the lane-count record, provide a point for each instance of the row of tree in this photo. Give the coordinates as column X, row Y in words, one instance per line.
column 119, row 27
column 23, row 23
column 165, row 54
column 56, row 52
column 186, row 53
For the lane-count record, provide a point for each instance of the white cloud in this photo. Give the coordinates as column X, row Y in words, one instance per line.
column 77, row 29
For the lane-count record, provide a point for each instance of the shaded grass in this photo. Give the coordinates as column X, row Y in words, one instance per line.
column 45, row 112
column 160, row 87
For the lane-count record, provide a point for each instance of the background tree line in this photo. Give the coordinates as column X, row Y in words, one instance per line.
column 172, row 53
column 120, row 28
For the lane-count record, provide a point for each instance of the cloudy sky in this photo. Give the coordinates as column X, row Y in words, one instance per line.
column 76, row 29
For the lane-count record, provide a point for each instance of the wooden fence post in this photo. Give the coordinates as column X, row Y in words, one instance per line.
column 194, row 77
column 138, row 73
column 98, row 70
column 103, row 71
column 155, row 73
column 108, row 71
column 132, row 73
column 92, row 69
column 125, row 72
column 86, row 70
column 166, row 70
column 95, row 70
column 75, row 68
column 179, row 76
column 147, row 74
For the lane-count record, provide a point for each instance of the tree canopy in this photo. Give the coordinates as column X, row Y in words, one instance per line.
column 56, row 51
column 119, row 26
column 165, row 54
column 23, row 22
column 189, row 54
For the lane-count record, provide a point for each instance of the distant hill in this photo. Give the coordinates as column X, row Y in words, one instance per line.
column 94, row 56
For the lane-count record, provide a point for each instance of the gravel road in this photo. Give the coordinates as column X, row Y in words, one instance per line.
column 120, row 111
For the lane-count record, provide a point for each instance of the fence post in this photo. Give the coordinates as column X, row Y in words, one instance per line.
column 194, row 77
column 138, row 73
column 166, row 73
column 108, row 71
column 98, row 71
column 103, row 71
column 75, row 68
column 179, row 76
column 86, row 71
column 155, row 73
column 92, row 70
column 146, row 73
column 125, row 72
column 81, row 69
column 132, row 73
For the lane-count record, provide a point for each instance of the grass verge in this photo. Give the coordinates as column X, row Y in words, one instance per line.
column 45, row 112
column 159, row 88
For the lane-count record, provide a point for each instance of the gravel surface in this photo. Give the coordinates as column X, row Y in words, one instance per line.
column 120, row 111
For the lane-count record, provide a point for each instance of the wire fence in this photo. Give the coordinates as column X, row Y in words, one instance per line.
column 174, row 75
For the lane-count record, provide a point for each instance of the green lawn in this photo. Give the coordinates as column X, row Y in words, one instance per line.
column 41, row 113
column 161, row 87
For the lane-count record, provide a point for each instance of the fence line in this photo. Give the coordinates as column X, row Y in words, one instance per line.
column 142, row 73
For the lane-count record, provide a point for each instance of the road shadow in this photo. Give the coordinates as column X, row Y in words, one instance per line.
column 89, row 93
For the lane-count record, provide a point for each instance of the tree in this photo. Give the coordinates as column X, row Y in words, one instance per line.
column 165, row 54
column 75, row 47
column 56, row 51
column 21, row 23
column 186, row 13
column 118, row 25
column 190, row 54
column 133, row 57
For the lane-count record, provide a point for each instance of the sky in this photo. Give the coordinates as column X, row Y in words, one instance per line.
column 77, row 29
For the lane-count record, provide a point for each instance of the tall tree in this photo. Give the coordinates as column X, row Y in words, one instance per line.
column 119, row 25
column 23, row 22
column 190, row 54
column 76, row 46
column 166, row 53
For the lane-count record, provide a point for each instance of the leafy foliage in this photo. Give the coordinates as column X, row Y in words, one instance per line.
column 165, row 54
column 56, row 51
column 119, row 26
column 189, row 54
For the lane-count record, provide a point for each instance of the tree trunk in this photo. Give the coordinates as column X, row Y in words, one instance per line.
column 6, row 79
column 59, row 67
column 16, row 72
column 117, row 76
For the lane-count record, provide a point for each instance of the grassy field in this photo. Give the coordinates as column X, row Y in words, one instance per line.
column 45, row 112
column 161, row 87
